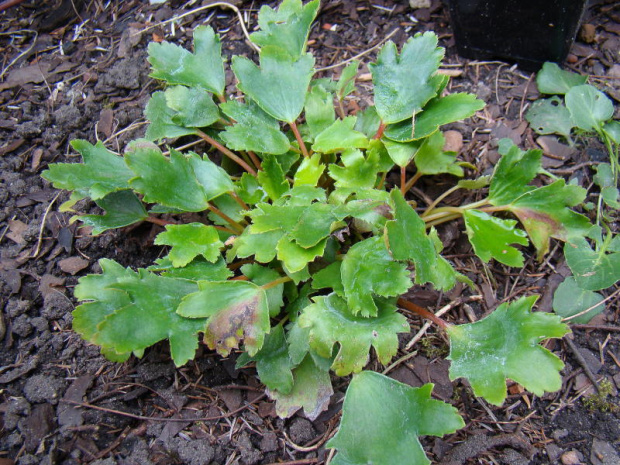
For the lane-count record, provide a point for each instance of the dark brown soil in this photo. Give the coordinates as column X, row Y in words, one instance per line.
column 77, row 69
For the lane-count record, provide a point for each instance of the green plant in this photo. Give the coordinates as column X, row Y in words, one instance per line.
column 304, row 248
column 595, row 264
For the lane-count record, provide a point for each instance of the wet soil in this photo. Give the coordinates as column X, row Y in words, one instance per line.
column 77, row 69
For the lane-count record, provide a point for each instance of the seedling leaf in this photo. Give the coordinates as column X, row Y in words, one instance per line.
column 194, row 106
column 594, row 269
column 375, row 403
column 513, row 172
column 551, row 79
column 160, row 117
column 589, row 107
column 503, row 345
column 569, row 299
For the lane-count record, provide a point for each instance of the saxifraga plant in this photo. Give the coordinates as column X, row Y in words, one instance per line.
column 303, row 249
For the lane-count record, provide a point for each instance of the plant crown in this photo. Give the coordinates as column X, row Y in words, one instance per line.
column 300, row 247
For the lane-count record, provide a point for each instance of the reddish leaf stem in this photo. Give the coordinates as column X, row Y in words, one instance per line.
column 239, row 200
column 300, row 141
column 254, row 159
column 403, row 180
column 226, row 152
column 422, row 312
column 158, row 221
column 412, row 181
column 226, row 218
column 380, row 131
column 276, row 282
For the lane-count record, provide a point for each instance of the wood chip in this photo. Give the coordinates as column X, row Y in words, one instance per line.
column 73, row 265
column 454, row 141
column 50, row 283
column 16, row 232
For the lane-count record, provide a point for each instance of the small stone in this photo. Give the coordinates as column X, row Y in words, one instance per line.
column 614, row 71
column 454, row 141
column 603, row 453
column 415, row 4
column 572, row 58
column 572, row 457
column 588, row 33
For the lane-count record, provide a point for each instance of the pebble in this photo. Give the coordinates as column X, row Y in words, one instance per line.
column 603, row 453
column 572, row 457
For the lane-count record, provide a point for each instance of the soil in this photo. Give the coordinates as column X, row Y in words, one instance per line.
column 77, row 69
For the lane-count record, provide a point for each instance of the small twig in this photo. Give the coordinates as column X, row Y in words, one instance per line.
column 609, row 297
column 443, row 310
column 360, row 55
column 25, row 52
column 172, row 420
column 611, row 329
column 205, row 7
column 296, row 462
column 586, row 369
column 43, row 221
column 422, row 312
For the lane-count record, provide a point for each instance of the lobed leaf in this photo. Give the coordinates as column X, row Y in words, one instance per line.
column 503, row 345
column 283, row 101
column 194, row 106
column 287, row 27
column 250, row 121
column 197, row 270
column 203, row 68
column 545, row 213
column 122, row 209
column 312, row 389
column 492, row 237
column 438, row 111
column 431, row 159
column 404, row 83
column 272, row 178
column 129, row 311
column 101, row 173
column 331, row 322
column 407, row 240
column 235, row 310
column 261, row 245
column 189, row 241
column 295, row 257
column 368, row 269
column 262, row 275
column 310, row 171
column 382, row 420
column 513, row 172
column 340, row 136
column 187, row 182
column 319, row 110
column 160, row 117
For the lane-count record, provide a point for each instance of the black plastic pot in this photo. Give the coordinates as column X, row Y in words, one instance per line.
column 528, row 32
